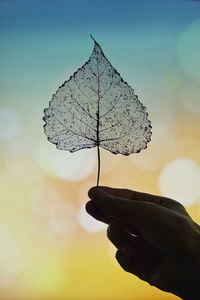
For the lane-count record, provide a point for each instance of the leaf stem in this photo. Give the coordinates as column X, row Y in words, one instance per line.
column 98, row 103
column 98, row 155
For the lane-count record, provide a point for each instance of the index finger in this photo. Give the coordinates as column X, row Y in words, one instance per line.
column 140, row 196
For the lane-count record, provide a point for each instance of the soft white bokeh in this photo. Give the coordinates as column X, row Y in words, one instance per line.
column 158, row 129
column 43, row 198
column 159, row 104
column 180, row 180
column 190, row 96
column 89, row 223
column 153, row 157
column 63, row 218
column 65, row 165
column 44, row 149
column 72, row 166
column 24, row 169
column 83, row 190
column 10, row 257
column 109, row 162
column 10, row 124
column 21, row 145
column 188, row 50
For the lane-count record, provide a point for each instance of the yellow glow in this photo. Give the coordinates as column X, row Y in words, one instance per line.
column 63, row 218
column 42, row 278
column 43, row 198
column 56, row 241
column 10, row 257
column 83, row 190
column 89, row 223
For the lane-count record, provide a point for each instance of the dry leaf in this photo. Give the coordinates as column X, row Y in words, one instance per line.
column 96, row 107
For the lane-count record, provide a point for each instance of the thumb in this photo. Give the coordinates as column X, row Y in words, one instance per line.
column 105, row 202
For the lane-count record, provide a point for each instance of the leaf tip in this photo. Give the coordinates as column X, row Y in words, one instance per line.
column 93, row 39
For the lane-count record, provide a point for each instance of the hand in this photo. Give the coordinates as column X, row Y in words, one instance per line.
column 156, row 238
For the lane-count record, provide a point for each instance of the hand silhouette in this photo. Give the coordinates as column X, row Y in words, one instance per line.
column 156, row 238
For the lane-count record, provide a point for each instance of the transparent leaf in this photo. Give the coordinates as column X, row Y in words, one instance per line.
column 96, row 107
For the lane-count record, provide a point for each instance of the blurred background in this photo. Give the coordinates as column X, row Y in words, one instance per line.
column 49, row 247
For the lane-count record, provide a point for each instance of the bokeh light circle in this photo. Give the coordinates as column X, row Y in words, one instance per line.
column 180, row 180
column 83, row 190
column 43, row 198
column 153, row 157
column 160, row 108
column 72, row 166
column 63, row 218
column 10, row 124
column 173, row 80
column 18, row 168
column 10, row 257
column 21, row 145
column 190, row 97
column 88, row 223
column 188, row 50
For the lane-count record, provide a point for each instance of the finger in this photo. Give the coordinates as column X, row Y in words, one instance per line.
column 141, row 260
column 118, row 236
column 96, row 213
column 139, row 196
column 152, row 222
column 115, row 233
column 127, row 257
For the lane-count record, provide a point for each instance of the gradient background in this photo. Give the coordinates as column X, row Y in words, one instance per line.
column 49, row 247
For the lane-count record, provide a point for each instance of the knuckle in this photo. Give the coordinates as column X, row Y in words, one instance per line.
column 184, row 224
column 179, row 224
column 180, row 208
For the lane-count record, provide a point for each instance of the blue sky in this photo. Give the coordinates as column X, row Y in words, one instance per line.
column 44, row 42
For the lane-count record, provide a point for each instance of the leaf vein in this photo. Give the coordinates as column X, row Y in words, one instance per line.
column 111, row 127
column 78, row 118
column 117, row 138
column 75, row 133
column 111, row 107
column 83, row 92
